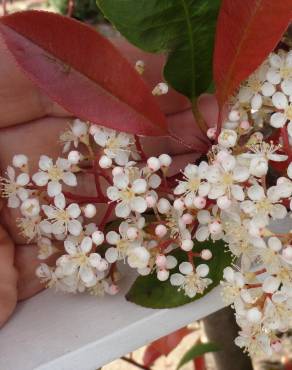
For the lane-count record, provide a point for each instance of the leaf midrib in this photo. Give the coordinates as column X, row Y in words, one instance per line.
column 192, row 49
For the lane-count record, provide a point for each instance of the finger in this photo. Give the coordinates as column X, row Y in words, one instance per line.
column 16, row 90
column 8, row 277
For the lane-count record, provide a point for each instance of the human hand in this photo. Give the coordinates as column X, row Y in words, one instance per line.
column 30, row 123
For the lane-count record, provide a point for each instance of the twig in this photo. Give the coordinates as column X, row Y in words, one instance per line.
column 83, row 199
column 284, row 135
column 199, row 118
column 106, row 216
column 4, row 7
column 133, row 362
column 70, row 8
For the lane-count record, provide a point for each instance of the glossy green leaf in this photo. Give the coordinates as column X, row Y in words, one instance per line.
column 184, row 29
column 196, row 351
column 148, row 291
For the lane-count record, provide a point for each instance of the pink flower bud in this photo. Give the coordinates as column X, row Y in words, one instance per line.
column 93, row 129
column 206, row 254
column 187, row 218
column 153, row 163
column 215, row 227
column 160, row 231
column 160, row 261
column 151, row 201
column 244, row 125
column 199, row 202
column 178, row 204
column 187, row 245
column 211, row 133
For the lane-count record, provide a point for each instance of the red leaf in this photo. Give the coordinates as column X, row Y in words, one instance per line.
column 82, row 71
column 164, row 346
column 247, row 31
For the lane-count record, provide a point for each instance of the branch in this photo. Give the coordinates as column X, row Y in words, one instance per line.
column 70, row 8
column 133, row 362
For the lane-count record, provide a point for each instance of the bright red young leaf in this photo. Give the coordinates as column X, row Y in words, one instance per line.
column 164, row 345
column 82, row 71
column 247, row 31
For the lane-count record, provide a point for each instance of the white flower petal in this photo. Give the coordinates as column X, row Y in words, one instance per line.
column 45, row 163
column 256, row 192
column 122, row 210
column 73, row 210
column 139, row 204
column 40, row 178
column 268, row 89
column 278, row 119
column 74, row 227
column 86, row 245
column 273, row 76
column 86, row 274
column 69, row 179
column 70, row 247
column 22, row 179
column 46, row 226
column 13, row 201
column 280, row 100
column 54, row 188
column 286, row 86
column 58, row 227
column 60, row 201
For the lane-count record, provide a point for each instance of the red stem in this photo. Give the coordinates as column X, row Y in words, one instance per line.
column 252, row 286
column 70, row 8
column 140, row 149
column 96, row 179
column 287, row 147
column 219, row 123
column 83, row 199
column 106, row 216
column 199, row 363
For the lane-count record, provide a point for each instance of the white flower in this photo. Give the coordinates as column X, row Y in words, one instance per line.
column 209, row 225
column 79, row 260
column 138, row 257
column 252, row 89
column 281, row 102
column 78, row 132
column 61, row 220
column 116, row 145
column 224, row 179
column 261, row 206
column 128, row 194
column 192, row 183
column 227, row 138
column 46, row 248
column 30, row 208
column 52, row 175
column 29, row 227
column 123, row 241
column 192, row 282
column 280, row 71
column 13, row 187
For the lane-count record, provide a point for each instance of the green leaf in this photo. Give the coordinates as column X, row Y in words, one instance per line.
column 196, row 351
column 185, row 29
column 148, row 291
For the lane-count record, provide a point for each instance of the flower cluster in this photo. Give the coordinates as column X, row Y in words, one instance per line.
column 236, row 195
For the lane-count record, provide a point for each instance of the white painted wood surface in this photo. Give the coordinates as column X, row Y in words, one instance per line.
column 65, row 332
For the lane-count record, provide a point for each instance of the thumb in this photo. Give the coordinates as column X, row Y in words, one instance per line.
column 8, row 277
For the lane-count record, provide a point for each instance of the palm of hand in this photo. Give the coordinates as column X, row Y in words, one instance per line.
column 30, row 123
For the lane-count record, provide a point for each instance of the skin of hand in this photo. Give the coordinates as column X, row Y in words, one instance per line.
column 30, row 123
